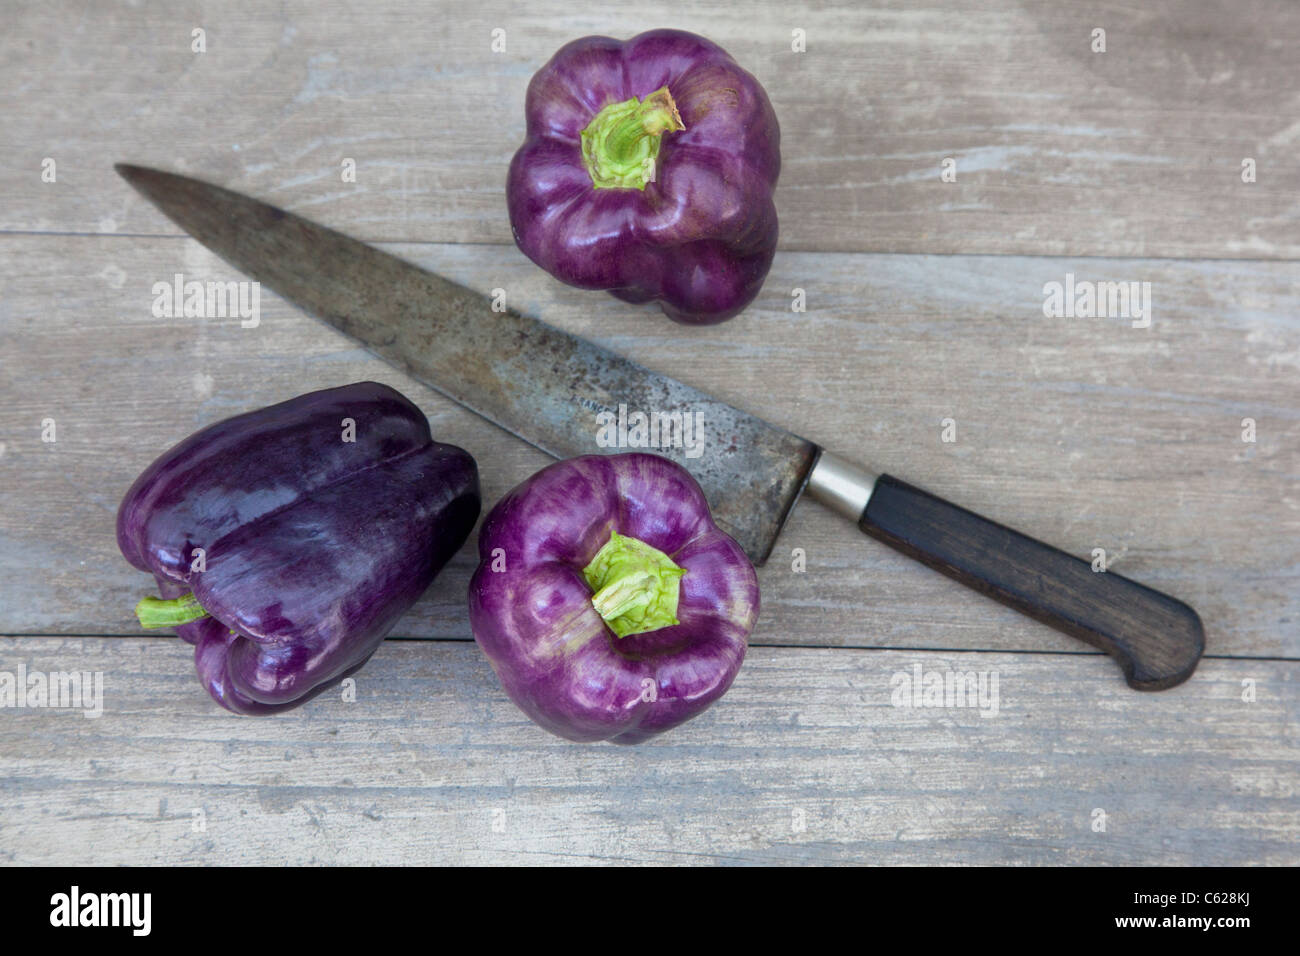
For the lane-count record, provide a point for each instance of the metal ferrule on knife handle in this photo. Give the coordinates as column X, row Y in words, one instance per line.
column 840, row 485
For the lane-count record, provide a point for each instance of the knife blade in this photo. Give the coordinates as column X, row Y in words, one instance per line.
column 541, row 384
column 554, row 390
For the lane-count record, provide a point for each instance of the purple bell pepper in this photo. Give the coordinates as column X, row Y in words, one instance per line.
column 287, row 541
column 609, row 603
column 648, row 170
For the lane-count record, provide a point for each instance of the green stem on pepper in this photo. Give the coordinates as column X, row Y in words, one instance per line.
column 155, row 612
column 620, row 146
column 635, row 586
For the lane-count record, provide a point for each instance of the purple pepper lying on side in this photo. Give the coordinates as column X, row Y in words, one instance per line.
column 287, row 542
column 609, row 603
column 648, row 170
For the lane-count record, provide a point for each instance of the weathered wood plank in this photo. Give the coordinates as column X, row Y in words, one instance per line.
column 1086, row 433
column 431, row 754
column 1058, row 149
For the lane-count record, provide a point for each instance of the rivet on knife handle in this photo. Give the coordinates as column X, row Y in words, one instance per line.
column 1156, row 639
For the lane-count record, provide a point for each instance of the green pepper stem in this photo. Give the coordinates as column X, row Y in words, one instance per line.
column 620, row 146
column 635, row 586
column 155, row 612
column 625, row 594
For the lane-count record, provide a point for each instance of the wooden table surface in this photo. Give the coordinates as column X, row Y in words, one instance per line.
column 924, row 304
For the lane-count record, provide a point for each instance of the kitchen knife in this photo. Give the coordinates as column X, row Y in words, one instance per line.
column 548, row 387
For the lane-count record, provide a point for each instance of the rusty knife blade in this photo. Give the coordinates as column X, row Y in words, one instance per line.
column 534, row 380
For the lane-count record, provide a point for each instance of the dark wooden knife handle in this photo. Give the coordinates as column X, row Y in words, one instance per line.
column 1156, row 639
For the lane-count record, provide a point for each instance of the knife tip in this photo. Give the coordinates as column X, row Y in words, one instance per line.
column 149, row 182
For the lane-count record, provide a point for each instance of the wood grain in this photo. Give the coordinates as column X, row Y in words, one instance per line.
column 1058, row 149
column 431, row 754
column 1084, row 433
column 924, row 311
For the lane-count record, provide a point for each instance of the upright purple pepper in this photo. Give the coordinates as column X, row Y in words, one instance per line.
column 648, row 170
column 609, row 603
column 287, row 541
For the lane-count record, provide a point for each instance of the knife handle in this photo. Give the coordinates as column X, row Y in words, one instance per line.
column 1156, row 639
